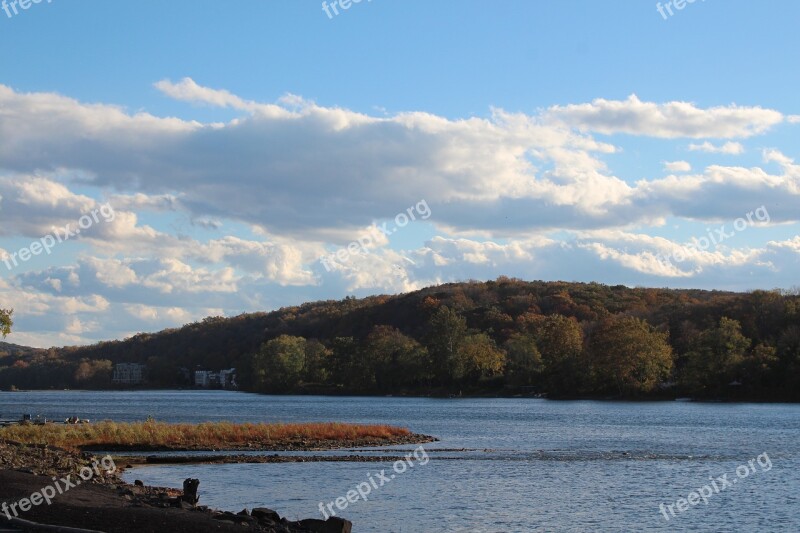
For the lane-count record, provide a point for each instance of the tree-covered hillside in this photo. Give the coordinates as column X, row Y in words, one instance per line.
column 505, row 337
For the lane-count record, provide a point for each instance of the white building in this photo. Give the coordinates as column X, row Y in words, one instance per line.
column 128, row 374
column 225, row 379
column 202, row 378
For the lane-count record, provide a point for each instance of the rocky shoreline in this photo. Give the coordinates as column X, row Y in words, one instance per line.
column 105, row 503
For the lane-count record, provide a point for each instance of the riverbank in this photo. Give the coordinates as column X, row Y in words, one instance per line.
column 44, row 486
column 66, row 486
column 52, row 462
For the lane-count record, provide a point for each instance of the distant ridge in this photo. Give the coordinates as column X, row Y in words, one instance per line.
column 16, row 349
column 755, row 335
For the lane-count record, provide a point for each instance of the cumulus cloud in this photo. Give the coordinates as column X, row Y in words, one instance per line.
column 264, row 196
column 189, row 91
column 677, row 166
column 670, row 120
column 726, row 193
column 729, row 148
column 312, row 172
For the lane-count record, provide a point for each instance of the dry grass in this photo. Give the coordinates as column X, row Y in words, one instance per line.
column 217, row 435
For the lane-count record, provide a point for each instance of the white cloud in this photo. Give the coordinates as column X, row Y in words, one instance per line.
column 259, row 170
column 189, row 91
column 669, row 120
column 264, row 196
column 677, row 166
column 729, row 148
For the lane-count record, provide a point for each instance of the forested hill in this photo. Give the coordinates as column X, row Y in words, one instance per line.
column 506, row 336
column 16, row 350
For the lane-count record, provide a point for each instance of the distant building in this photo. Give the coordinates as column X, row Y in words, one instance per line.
column 128, row 374
column 224, row 379
column 202, row 378
column 227, row 379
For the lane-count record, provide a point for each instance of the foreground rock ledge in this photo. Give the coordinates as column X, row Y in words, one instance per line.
column 108, row 505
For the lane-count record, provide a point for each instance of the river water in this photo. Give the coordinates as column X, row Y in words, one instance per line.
column 526, row 465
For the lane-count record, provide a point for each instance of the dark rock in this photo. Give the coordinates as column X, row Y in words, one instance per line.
column 331, row 525
column 234, row 518
column 260, row 513
column 138, row 483
column 187, row 506
column 190, row 487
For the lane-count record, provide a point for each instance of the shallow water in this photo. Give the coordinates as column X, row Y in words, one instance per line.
column 529, row 465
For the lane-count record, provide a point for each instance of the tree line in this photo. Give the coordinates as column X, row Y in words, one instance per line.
column 500, row 337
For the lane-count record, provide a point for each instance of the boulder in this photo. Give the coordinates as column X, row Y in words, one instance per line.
column 331, row 525
column 264, row 514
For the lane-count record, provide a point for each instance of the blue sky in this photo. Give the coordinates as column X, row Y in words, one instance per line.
column 237, row 142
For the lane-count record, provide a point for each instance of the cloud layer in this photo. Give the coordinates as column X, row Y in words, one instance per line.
column 221, row 218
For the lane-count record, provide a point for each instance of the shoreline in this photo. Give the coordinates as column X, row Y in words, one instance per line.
column 439, row 396
column 107, row 503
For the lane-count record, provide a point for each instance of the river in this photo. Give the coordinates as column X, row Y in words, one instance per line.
column 526, row 465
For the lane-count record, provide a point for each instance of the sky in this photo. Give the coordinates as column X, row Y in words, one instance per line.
column 161, row 162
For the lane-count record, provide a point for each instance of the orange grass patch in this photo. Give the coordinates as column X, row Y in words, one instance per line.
column 213, row 435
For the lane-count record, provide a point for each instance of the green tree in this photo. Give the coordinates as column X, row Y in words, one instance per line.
column 446, row 332
column 714, row 358
column 317, row 362
column 757, row 371
column 629, row 357
column 560, row 342
column 400, row 361
column 343, row 354
column 278, row 365
column 524, row 364
column 5, row 321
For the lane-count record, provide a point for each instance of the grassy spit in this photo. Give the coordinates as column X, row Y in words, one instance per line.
column 151, row 435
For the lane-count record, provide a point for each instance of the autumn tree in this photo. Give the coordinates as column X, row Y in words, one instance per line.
column 94, row 373
column 477, row 358
column 628, row 356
